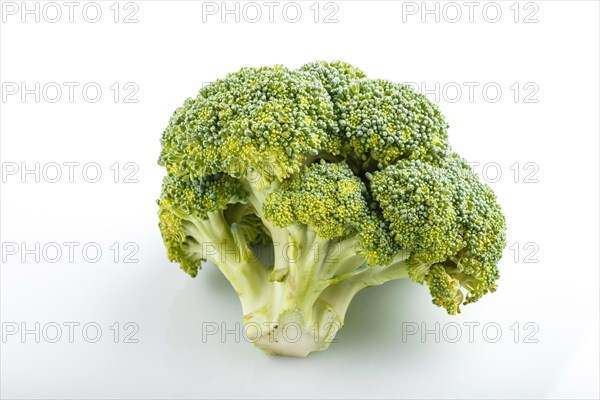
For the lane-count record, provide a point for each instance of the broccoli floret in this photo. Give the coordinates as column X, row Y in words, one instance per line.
column 444, row 215
column 350, row 181
column 416, row 197
column 258, row 123
column 327, row 197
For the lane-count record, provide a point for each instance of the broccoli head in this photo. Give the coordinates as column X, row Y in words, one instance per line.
column 348, row 181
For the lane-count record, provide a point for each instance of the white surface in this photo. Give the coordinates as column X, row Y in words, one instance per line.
column 169, row 54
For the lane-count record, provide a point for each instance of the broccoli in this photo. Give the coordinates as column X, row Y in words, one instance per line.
column 349, row 181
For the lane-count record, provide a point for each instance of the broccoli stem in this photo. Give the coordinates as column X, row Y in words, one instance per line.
column 310, row 286
column 323, row 276
column 339, row 295
column 303, row 284
column 313, row 316
column 216, row 241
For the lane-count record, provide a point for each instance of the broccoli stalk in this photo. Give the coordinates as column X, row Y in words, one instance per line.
column 349, row 181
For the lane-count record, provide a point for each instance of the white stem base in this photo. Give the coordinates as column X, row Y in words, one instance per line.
column 290, row 336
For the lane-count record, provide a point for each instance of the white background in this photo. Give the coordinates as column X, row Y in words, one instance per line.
column 169, row 54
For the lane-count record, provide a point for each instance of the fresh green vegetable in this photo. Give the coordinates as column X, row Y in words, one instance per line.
column 349, row 181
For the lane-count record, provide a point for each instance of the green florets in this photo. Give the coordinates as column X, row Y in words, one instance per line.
column 387, row 121
column 337, row 78
column 376, row 243
column 258, row 123
column 175, row 238
column 326, row 196
column 198, row 197
column 416, row 197
column 482, row 225
column 444, row 289
column 445, row 215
